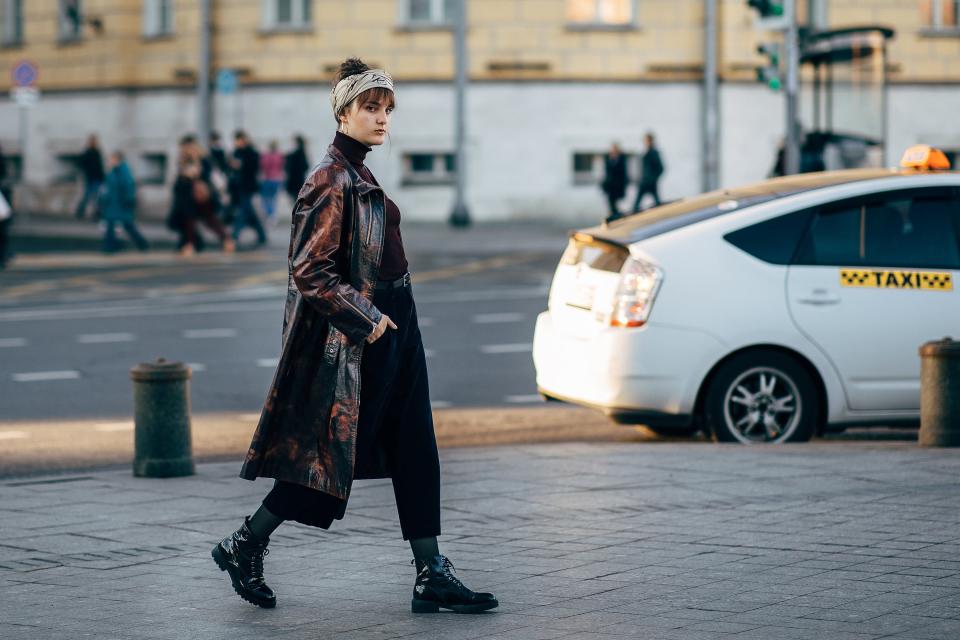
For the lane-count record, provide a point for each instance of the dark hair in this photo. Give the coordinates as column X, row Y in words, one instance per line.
column 351, row 67
column 299, row 141
column 239, row 134
column 214, row 135
column 188, row 139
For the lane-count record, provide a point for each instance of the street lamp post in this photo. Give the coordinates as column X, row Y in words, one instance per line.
column 792, row 50
column 460, row 215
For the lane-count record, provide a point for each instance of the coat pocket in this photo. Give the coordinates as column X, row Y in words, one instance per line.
column 331, row 347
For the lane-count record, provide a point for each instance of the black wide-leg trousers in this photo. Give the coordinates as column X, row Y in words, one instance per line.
column 395, row 419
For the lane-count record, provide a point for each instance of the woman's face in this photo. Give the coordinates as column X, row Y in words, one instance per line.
column 368, row 123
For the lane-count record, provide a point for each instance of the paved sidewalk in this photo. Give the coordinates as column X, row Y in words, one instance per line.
column 828, row 540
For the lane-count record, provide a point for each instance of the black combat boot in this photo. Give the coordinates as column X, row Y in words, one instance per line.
column 241, row 555
column 437, row 586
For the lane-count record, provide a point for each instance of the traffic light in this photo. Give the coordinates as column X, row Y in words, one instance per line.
column 769, row 73
column 767, row 8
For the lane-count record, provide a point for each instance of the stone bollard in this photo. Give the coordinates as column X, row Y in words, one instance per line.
column 940, row 394
column 161, row 406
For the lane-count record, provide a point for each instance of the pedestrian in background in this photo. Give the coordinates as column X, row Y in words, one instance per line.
column 651, row 168
column 614, row 179
column 6, row 212
column 118, row 205
column 219, row 173
column 350, row 397
column 91, row 166
column 246, row 168
column 271, row 170
column 295, row 166
column 194, row 201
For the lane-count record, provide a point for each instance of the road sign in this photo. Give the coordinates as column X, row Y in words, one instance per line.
column 227, row 81
column 24, row 74
column 25, row 96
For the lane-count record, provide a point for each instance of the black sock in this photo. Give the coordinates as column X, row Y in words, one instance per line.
column 424, row 548
column 263, row 523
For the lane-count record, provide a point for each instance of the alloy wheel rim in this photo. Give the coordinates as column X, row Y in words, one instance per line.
column 762, row 405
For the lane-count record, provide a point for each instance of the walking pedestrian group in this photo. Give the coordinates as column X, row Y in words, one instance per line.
column 615, row 177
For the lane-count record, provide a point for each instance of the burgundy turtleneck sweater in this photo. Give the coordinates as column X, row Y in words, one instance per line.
column 393, row 264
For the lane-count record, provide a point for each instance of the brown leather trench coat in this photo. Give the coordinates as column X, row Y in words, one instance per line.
column 308, row 427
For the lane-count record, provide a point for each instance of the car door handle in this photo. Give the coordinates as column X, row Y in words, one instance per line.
column 819, row 298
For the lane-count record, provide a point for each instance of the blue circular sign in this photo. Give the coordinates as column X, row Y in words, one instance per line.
column 227, row 81
column 25, row 73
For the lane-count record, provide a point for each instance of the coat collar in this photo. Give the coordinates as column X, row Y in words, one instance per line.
column 362, row 186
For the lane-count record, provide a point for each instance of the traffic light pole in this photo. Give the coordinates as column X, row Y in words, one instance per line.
column 791, row 45
column 460, row 215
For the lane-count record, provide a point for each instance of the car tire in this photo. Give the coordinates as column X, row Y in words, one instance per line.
column 761, row 396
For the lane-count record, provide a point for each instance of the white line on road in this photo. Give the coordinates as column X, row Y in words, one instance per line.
column 195, row 334
column 492, row 349
column 42, row 376
column 109, row 427
column 13, row 435
column 497, row 318
column 527, row 399
column 104, row 338
column 268, row 363
column 8, row 343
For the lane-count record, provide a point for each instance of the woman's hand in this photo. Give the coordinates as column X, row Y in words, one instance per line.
column 381, row 328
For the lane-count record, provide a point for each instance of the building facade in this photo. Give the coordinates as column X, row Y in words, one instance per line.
column 552, row 84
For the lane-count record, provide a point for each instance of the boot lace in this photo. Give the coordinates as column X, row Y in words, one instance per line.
column 256, row 564
column 448, row 573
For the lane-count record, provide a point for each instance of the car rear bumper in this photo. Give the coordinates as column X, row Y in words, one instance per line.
column 648, row 375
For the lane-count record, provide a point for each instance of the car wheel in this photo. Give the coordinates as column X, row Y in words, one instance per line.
column 762, row 396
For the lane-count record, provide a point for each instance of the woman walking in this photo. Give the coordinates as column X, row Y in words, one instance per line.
column 271, row 171
column 349, row 399
column 118, row 203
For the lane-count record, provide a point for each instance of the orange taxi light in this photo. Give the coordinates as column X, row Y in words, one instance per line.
column 923, row 156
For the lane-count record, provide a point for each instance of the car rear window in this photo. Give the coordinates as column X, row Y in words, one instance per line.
column 775, row 240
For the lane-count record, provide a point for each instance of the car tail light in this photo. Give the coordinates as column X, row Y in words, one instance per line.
column 639, row 283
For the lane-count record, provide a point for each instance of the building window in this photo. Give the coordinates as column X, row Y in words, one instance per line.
column 588, row 167
column 152, row 168
column 429, row 168
column 67, row 168
column 601, row 13
column 11, row 21
column 71, row 19
column 287, row 14
column 941, row 15
column 157, row 18
column 429, row 12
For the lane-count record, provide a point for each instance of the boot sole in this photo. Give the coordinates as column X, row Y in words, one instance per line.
column 224, row 565
column 425, row 606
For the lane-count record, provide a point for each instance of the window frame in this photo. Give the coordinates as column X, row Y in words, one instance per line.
column 801, row 259
column 936, row 27
column 63, row 34
column 301, row 20
column 11, row 31
column 598, row 25
column 440, row 176
column 595, row 175
column 152, row 27
column 438, row 20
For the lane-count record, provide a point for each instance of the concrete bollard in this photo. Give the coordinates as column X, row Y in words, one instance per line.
column 161, row 406
column 940, row 394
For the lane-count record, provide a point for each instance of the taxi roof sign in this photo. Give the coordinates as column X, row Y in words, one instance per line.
column 923, row 156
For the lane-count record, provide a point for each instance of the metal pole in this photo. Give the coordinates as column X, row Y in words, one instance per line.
column 711, row 103
column 24, row 117
column 203, row 74
column 792, row 51
column 460, row 215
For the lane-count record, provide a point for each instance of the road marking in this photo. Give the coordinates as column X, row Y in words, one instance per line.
column 110, row 427
column 250, row 417
column 13, row 435
column 42, row 376
column 268, row 363
column 497, row 318
column 8, row 343
column 475, row 266
column 197, row 366
column 104, row 338
column 503, row 293
column 527, row 399
column 440, row 404
column 195, row 334
column 493, row 349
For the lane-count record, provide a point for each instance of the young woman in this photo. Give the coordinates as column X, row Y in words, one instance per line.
column 350, row 397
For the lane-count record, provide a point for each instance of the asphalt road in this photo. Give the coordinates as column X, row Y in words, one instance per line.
column 71, row 326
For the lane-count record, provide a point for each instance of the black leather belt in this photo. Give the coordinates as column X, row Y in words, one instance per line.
column 389, row 285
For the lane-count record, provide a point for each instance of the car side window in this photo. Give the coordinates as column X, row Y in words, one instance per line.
column 911, row 229
column 774, row 240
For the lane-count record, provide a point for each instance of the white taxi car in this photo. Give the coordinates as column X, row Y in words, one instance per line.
column 766, row 313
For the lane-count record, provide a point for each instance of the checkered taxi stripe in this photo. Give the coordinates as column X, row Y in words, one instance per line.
column 884, row 279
